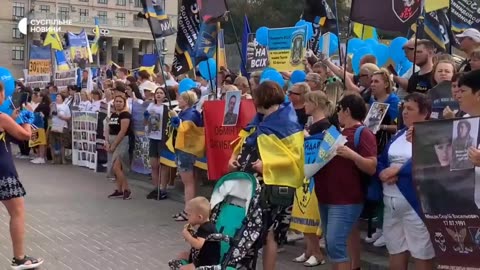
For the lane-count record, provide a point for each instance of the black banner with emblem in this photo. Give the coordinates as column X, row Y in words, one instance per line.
column 390, row 15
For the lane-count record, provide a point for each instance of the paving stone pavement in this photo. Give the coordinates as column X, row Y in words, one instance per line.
column 72, row 224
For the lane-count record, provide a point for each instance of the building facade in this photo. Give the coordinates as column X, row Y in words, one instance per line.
column 124, row 36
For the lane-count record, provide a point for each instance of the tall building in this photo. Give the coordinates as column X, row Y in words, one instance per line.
column 124, row 36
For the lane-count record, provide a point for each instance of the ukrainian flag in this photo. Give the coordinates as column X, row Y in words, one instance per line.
column 279, row 145
column 190, row 133
column 363, row 31
column 94, row 45
column 167, row 158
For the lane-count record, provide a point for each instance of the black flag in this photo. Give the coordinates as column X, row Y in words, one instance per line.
column 157, row 19
column 390, row 15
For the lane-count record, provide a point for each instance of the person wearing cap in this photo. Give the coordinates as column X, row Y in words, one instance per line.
column 402, row 81
column 469, row 42
column 144, row 79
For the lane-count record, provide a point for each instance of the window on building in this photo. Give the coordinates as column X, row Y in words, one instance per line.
column 103, row 2
column 16, row 33
column 138, row 3
column 83, row 14
column 63, row 13
column 121, row 2
column 45, row 8
column 102, row 17
column 121, row 19
column 18, row 11
column 18, row 52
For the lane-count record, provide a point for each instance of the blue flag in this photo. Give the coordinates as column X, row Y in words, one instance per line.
column 246, row 31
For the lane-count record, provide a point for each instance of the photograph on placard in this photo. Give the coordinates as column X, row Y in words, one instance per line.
column 375, row 116
column 464, row 136
column 232, row 107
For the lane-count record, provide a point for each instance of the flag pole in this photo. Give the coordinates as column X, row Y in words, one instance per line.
column 346, row 54
column 450, row 25
column 338, row 32
column 236, row 41
column 216, row 64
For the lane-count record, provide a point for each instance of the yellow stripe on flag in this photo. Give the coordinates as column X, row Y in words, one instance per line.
column 432, row 5
column 363, row 31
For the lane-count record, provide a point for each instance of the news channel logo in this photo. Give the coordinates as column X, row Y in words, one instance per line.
column 41, row 25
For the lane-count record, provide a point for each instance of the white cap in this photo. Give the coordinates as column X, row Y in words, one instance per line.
column 471, row 33
column 149, row 86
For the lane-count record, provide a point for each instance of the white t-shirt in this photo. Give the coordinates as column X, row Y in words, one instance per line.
column 399, row 153
column 85, row 106
column 95, row 106
column 154, row 122
column 57, row 123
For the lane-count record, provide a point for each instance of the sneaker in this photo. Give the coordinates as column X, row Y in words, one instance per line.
column 38, row 160
column 377, row 234
column 293, row 237
column 25, row 263
column 161, row 196
column 152, row 194
column 116, row 194
column 127, row 195
column 380, row 242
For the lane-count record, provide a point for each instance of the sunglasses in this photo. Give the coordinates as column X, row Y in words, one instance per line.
column 338, row 108
column 293, row 93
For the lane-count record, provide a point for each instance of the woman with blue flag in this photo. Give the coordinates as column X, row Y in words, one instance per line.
column 271, row 147
column 187, row 141
column 403, row 229
column 11, row 189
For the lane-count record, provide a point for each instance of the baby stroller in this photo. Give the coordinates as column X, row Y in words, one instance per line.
column 238, row 217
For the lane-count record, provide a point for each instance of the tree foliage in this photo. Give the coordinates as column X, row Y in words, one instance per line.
column 270, row 13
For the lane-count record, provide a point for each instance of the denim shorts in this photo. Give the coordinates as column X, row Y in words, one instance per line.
column 337, row 224
column 185, row 161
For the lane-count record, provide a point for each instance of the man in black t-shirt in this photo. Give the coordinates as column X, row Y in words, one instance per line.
column 421, row 81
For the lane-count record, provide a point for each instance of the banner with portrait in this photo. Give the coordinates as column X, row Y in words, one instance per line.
column 84, row 136
column 63, row 79
column 448, row 187
column 79, row 48
column 33, row 81
column 287, row 47
column 141, row 159
column 219, row 137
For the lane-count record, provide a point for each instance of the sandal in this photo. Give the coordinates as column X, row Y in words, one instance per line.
column 25, row 263
column 181, row 216
column 313, row 261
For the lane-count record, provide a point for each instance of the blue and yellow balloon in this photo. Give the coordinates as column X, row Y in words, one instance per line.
column 8, row 82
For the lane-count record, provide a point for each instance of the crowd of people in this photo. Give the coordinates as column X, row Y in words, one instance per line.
column 329, row 96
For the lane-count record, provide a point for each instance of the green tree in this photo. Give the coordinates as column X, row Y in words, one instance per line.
column 272, row 14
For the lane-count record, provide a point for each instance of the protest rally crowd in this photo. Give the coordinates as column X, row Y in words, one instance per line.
column 324, row 148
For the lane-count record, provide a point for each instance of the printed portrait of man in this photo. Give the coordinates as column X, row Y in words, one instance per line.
column 232, row 106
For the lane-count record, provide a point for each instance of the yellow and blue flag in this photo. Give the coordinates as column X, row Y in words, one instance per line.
column 190, row 137
column 148, row 62
column 154, row 13
column 363, row 31
column 280, row 141
column 432, row 5
column 61, row 61
column 53, row 39
column 94, row 45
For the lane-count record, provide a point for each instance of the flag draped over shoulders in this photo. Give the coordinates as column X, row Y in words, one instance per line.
column 190, row 137
column 280, row 139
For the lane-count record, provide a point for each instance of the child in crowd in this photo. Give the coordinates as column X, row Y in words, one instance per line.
column 199, row 227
